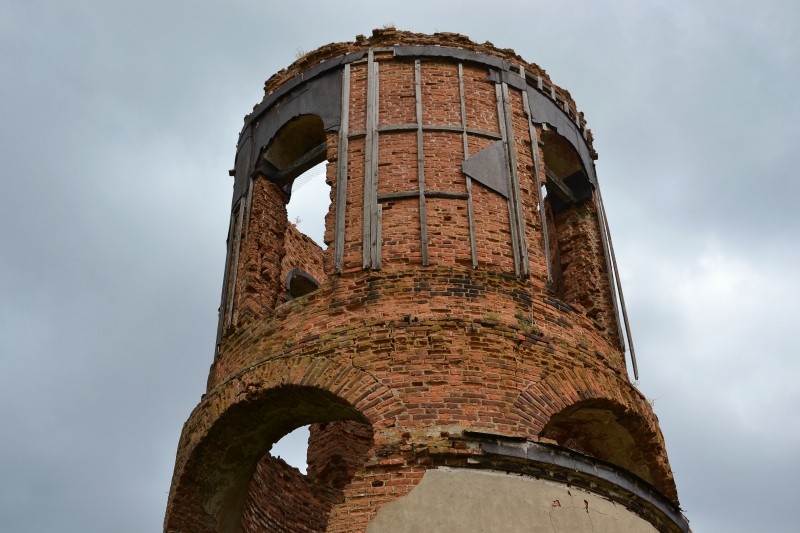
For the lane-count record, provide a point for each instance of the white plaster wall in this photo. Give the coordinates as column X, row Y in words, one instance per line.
column 460, row 500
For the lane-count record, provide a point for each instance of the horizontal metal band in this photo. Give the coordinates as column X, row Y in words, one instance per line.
column 386, row 197
column 397, row 128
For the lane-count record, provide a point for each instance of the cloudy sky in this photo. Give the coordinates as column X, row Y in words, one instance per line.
column 118, row 124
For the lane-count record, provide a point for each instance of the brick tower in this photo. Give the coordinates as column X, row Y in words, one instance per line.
column 457, row 347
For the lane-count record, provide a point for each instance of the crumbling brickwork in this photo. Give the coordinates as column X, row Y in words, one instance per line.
column 280, row 499
column 464, row 296
column 336, row 451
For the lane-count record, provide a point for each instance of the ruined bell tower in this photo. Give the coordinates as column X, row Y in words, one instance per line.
column 458, row 346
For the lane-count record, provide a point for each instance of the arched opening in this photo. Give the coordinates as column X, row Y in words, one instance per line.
column 241, row 486
column 605, row 430
column 578, row 264
column 564, row 188
column 298, row 146
column 240, row 419
column 295, row 160
column 300, row 283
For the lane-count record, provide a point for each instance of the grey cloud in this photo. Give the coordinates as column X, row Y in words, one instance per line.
column 118, row 123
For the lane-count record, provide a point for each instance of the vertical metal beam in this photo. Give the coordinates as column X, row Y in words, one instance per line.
column 515, row 191
column 470, row 212
column 367, row 182
column 378, row 232
column 511, row 215
column 223, row 309
column 609, row 252
column 248, row 206
column 237, row 235
column 370, row 164
column 341, row 172
column 538, row 182
column 518, row 240
column 423, row 213
column 232, row 257
column 601, row 220
column 251, row 181
column 376, row 208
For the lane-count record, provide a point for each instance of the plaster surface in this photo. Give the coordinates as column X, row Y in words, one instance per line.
column 496, row 502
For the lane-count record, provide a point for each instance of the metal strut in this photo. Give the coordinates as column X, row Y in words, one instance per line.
column 610, row 248
column 341, row 172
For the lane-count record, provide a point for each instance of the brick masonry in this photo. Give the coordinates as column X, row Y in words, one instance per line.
column 396, row 366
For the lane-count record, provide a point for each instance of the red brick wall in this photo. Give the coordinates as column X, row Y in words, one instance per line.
column 259, row 286
column 301, row 253
column 584, row 277
column 336, row 451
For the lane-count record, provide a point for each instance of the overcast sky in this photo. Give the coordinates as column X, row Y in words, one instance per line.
column 118, row 124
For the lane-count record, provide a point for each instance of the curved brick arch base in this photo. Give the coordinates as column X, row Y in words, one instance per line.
column 570, row 391
column 237, row 423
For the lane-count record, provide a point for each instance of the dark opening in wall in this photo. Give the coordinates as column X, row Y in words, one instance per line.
column 295, row 159
column 603, row 429
column 565, row 188
column 552, row 240
column 299, row 283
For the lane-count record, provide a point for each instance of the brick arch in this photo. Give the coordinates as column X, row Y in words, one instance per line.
column 270, row 244
column 239, row 421
column 592, row 412
column 298, row 145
